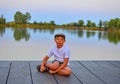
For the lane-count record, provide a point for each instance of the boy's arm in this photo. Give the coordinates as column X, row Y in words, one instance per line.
column 44, row 60
column 43, row 63
column 62, row 66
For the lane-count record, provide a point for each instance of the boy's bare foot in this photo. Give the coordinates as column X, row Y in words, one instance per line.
column 38, row 68
column 43, row 70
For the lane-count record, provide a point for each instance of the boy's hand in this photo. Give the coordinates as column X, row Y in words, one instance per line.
column 42, row 68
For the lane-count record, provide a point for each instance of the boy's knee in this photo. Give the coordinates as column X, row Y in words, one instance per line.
column 65, row 72
column 68, row 72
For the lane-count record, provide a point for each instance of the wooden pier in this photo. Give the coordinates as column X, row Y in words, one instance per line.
column 83, row 72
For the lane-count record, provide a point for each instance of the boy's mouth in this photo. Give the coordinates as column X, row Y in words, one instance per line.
column 59, row 44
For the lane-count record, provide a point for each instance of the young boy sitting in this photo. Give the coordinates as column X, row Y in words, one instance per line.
column 61, row 58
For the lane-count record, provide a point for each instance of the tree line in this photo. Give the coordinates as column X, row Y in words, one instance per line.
column 2, row 20
column 21, row 18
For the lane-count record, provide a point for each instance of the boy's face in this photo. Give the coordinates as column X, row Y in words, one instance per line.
column 59, row 41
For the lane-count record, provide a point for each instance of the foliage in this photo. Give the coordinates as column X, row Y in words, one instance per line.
column 21, row 34
column 21, row 18
column 44, row 23
column 89, row 23
column 2, row 30
column 100, row 24
column 114, row 23
column 80, row 23
column 52, row 22
column 2, row 20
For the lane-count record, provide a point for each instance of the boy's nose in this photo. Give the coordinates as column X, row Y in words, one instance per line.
column 59, row 41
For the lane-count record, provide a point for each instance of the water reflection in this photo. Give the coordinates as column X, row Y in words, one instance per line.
column 113, row 37
column 24, row 33
column 80, row 33
column 21, row 33
column 2, row 30
column 45, row 30
column 90, row 34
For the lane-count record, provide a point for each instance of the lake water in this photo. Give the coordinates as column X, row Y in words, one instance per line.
column 33, row 44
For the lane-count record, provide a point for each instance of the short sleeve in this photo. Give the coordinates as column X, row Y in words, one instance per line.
column 67, row 53
column 50, row 52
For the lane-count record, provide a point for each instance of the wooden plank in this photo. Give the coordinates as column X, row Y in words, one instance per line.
column 67, row 79
column 4, row 71
column 4, row 64
column 103, row 70
column 116, row 63
column 83, row 74
column 19, row 73
column 41, row 78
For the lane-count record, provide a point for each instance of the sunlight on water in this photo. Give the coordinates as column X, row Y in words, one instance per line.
column 33, row 44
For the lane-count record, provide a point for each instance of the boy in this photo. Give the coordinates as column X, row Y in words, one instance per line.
column 61, row 58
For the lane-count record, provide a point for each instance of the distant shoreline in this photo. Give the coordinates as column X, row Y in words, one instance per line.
column 57, row 26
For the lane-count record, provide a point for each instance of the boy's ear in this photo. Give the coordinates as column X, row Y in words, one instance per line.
column 54, row 39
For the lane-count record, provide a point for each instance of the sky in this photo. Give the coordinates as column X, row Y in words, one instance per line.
column 62, row 11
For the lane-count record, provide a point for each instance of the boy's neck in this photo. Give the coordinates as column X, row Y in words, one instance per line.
column 59, row 46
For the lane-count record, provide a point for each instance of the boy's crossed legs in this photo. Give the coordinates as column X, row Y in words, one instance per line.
column 55, row 65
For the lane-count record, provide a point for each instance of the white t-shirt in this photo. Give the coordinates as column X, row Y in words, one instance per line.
column 59, row 53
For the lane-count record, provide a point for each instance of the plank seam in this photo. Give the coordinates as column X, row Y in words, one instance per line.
column 30, row 73
column 92, row 72
column 8, row 73
column 55, row 79
column 77, row 78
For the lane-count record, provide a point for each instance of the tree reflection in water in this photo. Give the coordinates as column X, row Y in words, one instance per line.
column 21, row 33
column 2, row 30
column 24, row 33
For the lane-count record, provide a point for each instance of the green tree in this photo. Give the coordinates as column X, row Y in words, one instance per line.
column 22, row 18
column 100, row 24
column 105, row 25
column 80, row 23
column 117, row 21
column 89, row 23
column 52, row 22
column 40, row 23
column 93, row 24
column 2, row 20
column 118, row 25
column 35, row 22
column 18, row 17
column 73, row 24
column 114, row 23
column 26, row 17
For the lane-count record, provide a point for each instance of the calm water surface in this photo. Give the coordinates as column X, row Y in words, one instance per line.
column 33, row 44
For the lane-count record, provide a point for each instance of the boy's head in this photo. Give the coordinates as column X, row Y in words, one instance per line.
column 59, row 39
column 60, row 35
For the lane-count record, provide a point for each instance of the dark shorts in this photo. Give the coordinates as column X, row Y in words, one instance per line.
column 57, row 61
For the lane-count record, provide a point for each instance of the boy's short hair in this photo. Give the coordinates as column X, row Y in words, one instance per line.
column 60, row 35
